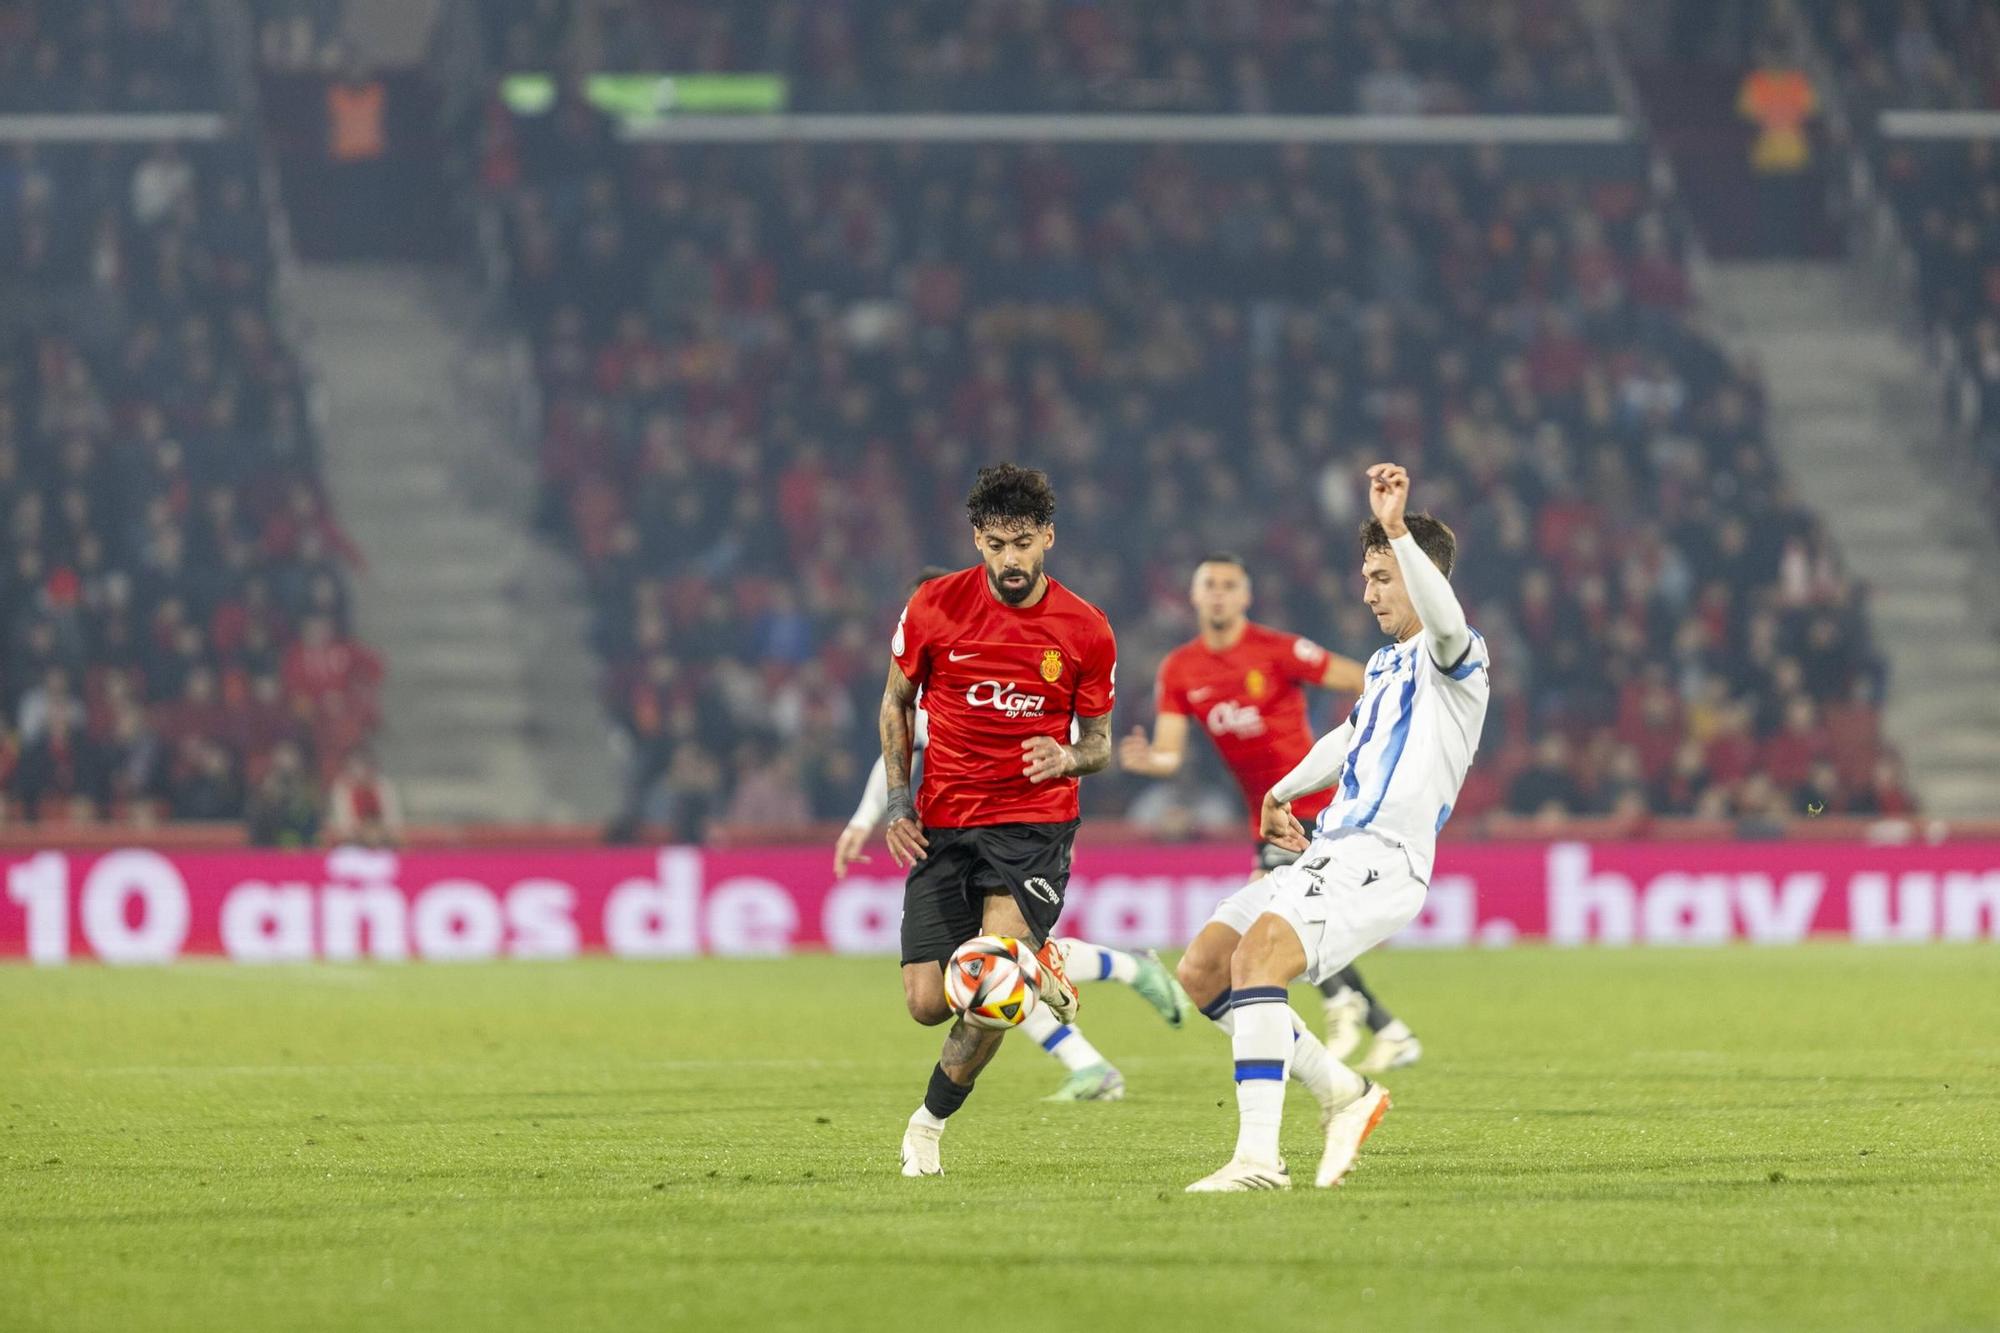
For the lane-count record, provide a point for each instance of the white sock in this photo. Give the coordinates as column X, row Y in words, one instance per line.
column 926, row 1120
column 1262, row 1045
column 1061, row 1040
column 1094, row 962
column 1395, row 1030
column 1331, row 1083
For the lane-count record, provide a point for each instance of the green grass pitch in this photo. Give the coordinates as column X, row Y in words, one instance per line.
column 1802, row 1138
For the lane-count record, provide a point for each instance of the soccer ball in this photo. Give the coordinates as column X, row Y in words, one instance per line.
column 990, row 981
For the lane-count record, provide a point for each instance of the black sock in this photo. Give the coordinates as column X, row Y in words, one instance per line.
column 1378, row 1017
column 943, row 1096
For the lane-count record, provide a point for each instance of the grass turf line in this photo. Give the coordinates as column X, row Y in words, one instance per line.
column 1805, row 1137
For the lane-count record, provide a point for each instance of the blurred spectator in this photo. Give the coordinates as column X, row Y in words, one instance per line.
column 362, row 807
column 1546, row 786
column 284, row 809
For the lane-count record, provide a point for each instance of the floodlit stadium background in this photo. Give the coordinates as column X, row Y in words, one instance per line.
column 460, row 463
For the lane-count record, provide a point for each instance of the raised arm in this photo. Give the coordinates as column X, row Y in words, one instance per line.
column 1446, row 634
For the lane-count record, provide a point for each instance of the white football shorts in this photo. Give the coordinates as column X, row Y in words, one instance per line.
column 1347, row 894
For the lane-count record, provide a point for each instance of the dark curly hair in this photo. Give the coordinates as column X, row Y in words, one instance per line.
column 1434, row 539
column 1011, row 497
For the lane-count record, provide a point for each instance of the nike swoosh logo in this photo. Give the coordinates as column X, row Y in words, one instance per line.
column 960, row 657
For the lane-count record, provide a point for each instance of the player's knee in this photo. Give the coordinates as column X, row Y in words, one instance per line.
column 925, row 1000
column 1260, row 958
column 1201, row 976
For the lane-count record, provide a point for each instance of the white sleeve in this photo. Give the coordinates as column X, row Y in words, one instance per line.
column 874, row 798
column 1321, row 766
column 1446, row 634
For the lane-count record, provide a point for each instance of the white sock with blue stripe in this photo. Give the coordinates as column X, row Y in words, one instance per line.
column 1061, row 1040
column 1262, row 1044
column 1094, row 962
column 1314, row 1069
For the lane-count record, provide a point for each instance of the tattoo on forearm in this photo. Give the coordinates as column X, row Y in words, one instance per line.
column 897, row 723
column 1093, row 744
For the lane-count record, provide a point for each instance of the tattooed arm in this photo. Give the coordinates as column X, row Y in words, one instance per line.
column 897, row 722
column 1043, row 757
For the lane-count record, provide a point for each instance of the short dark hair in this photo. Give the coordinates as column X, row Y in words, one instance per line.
column 1434, row 539
column 1225, row 558
column 1011, row 497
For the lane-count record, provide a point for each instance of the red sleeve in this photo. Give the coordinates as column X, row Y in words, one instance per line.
column 911, row 646
column 1302, row 660
column 1098, row 689
column 1169, row 690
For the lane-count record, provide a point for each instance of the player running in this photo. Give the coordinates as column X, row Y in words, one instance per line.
column 1397, row 764
column 1246, row 684
column 1091, row 1077
column 1005, row 658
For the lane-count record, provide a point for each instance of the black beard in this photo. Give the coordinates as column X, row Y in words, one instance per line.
column 1008, row 595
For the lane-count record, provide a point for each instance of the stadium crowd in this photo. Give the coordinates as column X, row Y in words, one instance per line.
column 172, row 594
column 1412, row 58
column 769, row 373
column 101, row 55
column 1938, row 55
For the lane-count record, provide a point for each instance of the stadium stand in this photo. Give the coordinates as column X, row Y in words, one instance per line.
column 1419, row 57
column 1202, row 347
column 92, row 55
column 173, row 597
column 1937, row 56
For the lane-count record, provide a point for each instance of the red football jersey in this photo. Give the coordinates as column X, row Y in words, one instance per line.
column 1248, row 698
column 993, row 676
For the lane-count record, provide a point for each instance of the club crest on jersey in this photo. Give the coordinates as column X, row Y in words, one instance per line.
column 1051, row 665
column 1006, row 699
column 1254, row 683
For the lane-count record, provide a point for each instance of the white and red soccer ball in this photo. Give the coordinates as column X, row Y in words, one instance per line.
column 990, row 981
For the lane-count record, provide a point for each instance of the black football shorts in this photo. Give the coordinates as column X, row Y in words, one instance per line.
column 944, row 898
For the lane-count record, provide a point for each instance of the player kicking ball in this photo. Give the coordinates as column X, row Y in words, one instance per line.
column 1244, row 684
column 1396, row 765
column 1091, row 1077
column 1007, row 660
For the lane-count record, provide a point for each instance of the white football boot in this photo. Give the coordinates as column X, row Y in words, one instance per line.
column 1346, row 1130
column 1241, row 1176
column 920, row 1149
column 1346, row 1022
column 1391, row 1053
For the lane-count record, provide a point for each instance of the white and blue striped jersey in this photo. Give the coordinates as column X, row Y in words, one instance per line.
column 1416, row 727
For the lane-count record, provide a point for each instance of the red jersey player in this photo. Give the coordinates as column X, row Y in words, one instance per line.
column 1007, row 659
column 1245, row 683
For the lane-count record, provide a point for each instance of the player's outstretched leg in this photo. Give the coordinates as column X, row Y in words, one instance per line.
column 1204, row 976
column 1143, row 972
column 1092, row 1078
column 966, row 1051
column 1264, row 1046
